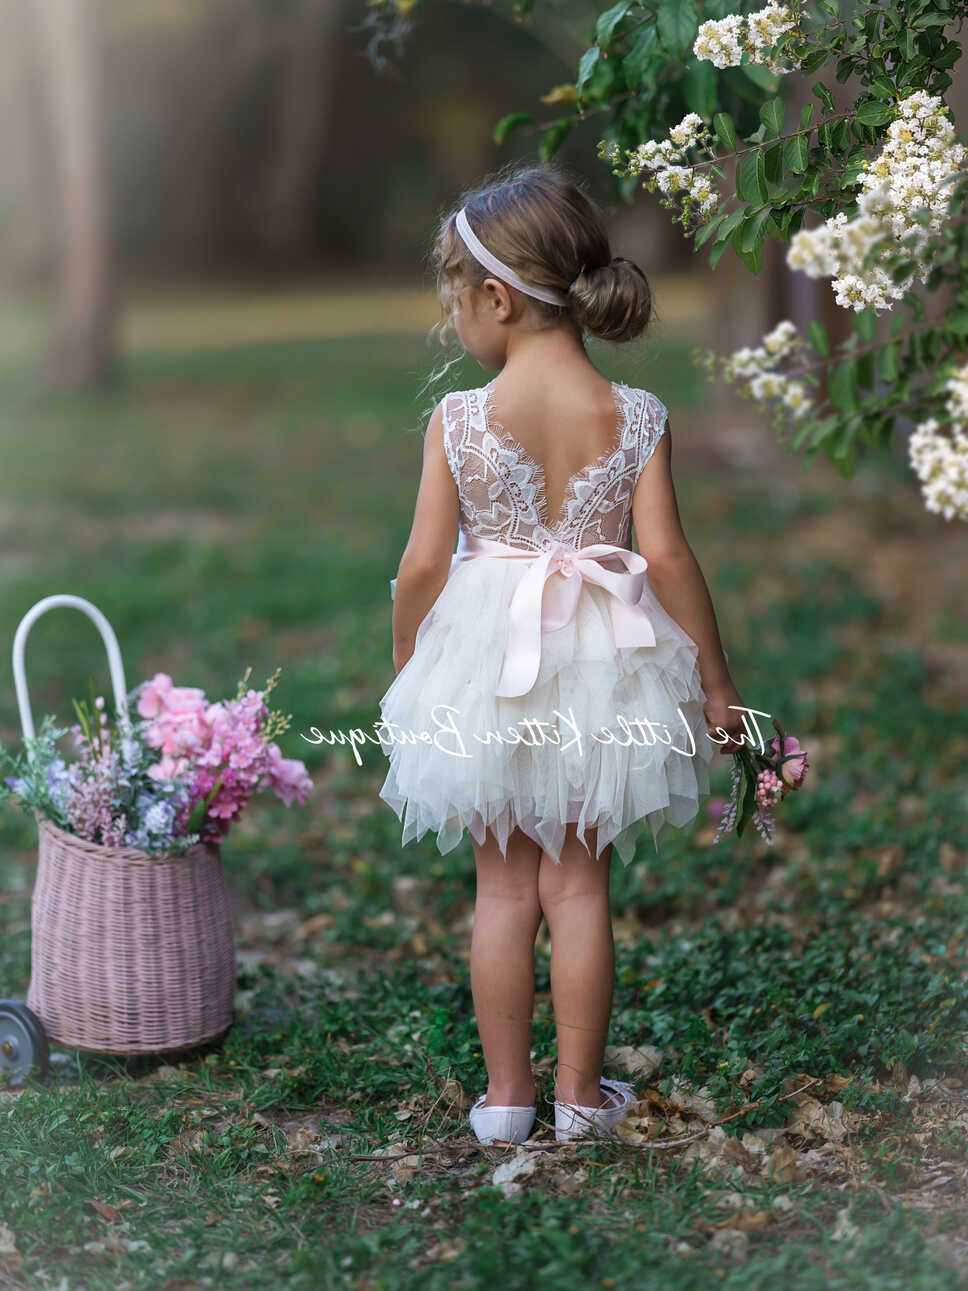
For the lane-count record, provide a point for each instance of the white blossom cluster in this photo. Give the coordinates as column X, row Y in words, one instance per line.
column 920, row 154
column 664, row 160
column 941, row 461
column 757, row 368
column 723, row 41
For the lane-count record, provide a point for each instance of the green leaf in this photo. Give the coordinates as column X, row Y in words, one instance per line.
column 865, row 324
column 678, row 24
column 731, row 222
column 823, row 429
column 637, row 60
column 553, row 137
column 699, row 87
column 796, row 154
column 609, row 20
column 887, row 361
column 725, row 130
column 773, row 162
column 748, row 799
column 824, row 95
column 816, row 58
column 841, row 449
column 751, row 178
column 760, row 76
column 818, row 338
column 754, row 229
column 881, row 88
column 704, row 233
column 843, row 386
column 957, row 322
column 509, row 123
column 871, row 113
column 586, row 66
column 806, row 115
column 752, row 259
column 716, row 253
column 772, row 115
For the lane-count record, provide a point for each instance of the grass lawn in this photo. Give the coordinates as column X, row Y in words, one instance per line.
column 794, row 1017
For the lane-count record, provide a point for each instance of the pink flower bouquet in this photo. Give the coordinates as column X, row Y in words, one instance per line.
column 182, row 774
column 760, row 781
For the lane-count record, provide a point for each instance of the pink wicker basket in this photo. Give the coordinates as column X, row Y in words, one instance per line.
column 132, row 953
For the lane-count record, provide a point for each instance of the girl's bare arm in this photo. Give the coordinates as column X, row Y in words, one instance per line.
column 425, row 563
column 678, row 582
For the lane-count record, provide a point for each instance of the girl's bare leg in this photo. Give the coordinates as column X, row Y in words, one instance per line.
column 506, row 919
column 574, row 895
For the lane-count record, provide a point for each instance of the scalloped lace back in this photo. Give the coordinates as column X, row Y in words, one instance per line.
column 502, row 488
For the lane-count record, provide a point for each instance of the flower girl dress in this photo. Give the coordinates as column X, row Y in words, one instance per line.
column 547, row 683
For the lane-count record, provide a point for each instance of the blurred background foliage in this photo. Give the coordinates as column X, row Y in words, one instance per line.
column 280, row 137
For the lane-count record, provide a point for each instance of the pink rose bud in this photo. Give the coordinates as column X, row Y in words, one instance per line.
column 794, row 771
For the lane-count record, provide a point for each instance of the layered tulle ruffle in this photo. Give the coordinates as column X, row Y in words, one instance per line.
column 586, row 756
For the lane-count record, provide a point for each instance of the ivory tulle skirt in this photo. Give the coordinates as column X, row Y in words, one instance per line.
column 576, row 748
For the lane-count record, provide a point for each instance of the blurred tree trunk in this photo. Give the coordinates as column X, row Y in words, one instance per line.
column 83, row 351
column 286, row 203
column 24, row 188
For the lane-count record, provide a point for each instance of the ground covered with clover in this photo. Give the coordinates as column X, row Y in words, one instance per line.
column 793, row 1017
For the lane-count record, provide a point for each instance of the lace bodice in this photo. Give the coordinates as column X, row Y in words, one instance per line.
column 502, row 488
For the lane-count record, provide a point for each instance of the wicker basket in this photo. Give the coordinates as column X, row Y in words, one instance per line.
column 132, row 953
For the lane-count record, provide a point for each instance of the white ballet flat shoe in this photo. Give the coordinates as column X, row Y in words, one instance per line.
column 573, row 1121
column 511, row 1124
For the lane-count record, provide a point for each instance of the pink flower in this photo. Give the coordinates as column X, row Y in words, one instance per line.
column 159, row 696
column 287, row 777
column 714, row 808
column 168, row 768
column 218, row 750
column 793, row 771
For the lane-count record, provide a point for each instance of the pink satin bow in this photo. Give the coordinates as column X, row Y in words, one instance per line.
column 542, row 603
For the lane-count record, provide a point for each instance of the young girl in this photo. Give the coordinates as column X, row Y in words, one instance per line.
column 550, row 697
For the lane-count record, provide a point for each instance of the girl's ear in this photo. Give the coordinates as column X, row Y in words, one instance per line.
column 498, row 299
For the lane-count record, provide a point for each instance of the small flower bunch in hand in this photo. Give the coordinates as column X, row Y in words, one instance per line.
column 181, row 775
column 759, row 782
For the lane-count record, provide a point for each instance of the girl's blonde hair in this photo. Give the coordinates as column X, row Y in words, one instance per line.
column 541, row 221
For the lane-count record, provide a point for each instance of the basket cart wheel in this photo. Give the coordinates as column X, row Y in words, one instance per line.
column 23, row 1043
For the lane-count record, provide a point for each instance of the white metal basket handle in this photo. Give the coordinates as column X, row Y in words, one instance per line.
column 110, row 644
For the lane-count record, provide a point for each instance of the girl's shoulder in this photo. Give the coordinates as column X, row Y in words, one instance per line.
column 642, row 407
column 482, row 390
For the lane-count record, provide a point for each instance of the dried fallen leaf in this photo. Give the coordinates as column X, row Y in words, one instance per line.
column 445, row 1251
column 844, row 1229
column 110, row 1213
column 732, row 1242
column 405, row 1168
column 10, row 1257
column 641, row 1060
column 506, row 1174
column 453, row 1095
column 783, row 1165
column 833, row 1084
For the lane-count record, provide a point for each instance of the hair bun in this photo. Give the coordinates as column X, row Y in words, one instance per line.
column 612, row 301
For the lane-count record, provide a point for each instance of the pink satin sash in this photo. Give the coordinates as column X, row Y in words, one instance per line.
column 544, row 603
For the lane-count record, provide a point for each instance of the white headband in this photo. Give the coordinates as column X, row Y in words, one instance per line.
column 499, row 268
